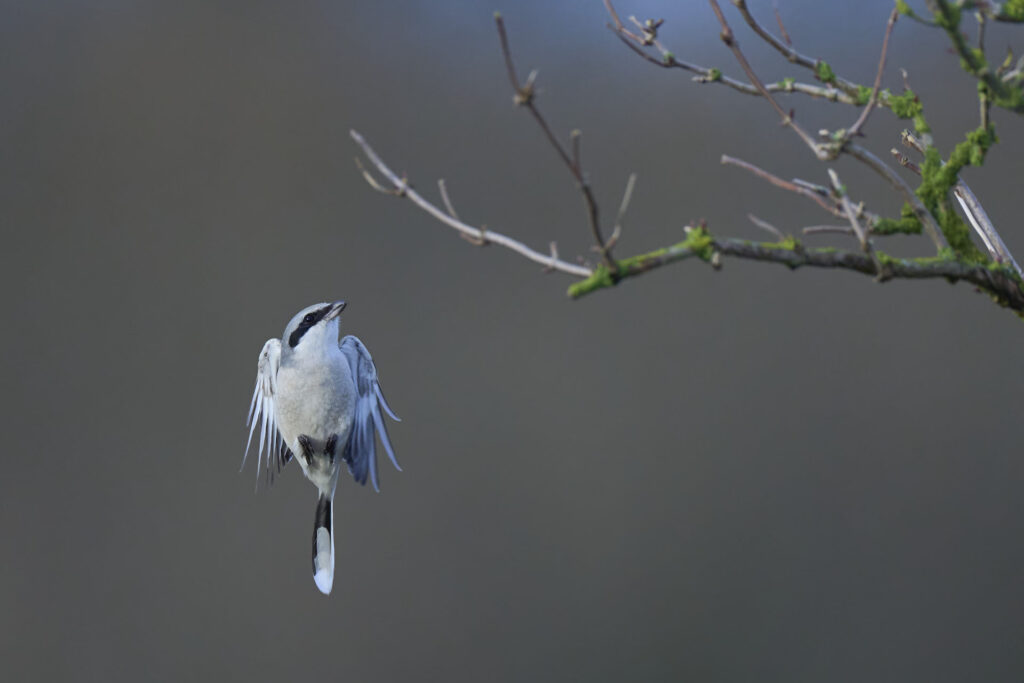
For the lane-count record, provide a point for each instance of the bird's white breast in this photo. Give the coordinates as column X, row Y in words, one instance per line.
column 315, row 397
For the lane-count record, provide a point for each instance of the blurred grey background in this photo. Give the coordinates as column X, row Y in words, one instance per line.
column 747, row 475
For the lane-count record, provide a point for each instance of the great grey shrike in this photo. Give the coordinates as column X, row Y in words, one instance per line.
column 318, row 401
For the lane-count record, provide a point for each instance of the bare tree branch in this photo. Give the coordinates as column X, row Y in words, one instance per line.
column 668, row 60
column 858, row 229
column 866, row 112
column 1001, row 279
column 525, row 96
column 982, row 224
column 1007, row 96
column 729, row 39
column 972, row 208
column 1000, row 283
column 403, row 190
column 800, row 188
column 787, row 50
column 922, row 213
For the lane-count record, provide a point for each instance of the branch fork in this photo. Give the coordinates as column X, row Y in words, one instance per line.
column 1001, row 278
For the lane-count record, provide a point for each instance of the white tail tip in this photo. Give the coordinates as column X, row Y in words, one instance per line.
column 324, row 579
column 323, row 546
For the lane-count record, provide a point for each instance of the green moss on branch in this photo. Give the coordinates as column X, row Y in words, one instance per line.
column 1006, row 95
column 907, row 224
column 1013, row 10
column 824, row 72
column 937, row 179
column 999, row 281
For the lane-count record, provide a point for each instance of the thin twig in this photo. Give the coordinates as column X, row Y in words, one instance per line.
column 787, row 51
column 862, row 119
column 668, row 60
column 444, row 196
column 782, row 27
column 554, row 257
column 858, row 229
column 813, row 187
column 983, row 99
column 981, row 32
column 627, row 197
column 403, row 190
column 905, row 162
column 765, row 225
column 881, row 168
column 729, row 39
column 799, row 187
column 828, row 229
column 398, row 191
column 912, row 141
column 524, row 96
column 475, row 241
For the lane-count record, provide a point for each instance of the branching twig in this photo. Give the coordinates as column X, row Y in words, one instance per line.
column 792, row 186
column 922, row 213
column 948, row 17
column 858, row 229
column 866, row 112
column 787, row 50
column 998, row 282
column 972, row 208
column 403, row 190
column 525, row 96
column 1002, row 279
column 636, row 43
column 729, row 39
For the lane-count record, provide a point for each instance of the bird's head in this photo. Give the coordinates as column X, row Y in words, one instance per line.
column 315, row 325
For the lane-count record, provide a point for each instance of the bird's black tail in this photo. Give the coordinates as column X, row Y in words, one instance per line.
column 323, row 544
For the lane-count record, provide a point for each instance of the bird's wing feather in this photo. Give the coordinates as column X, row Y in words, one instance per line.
column 361, row 449
column 261, row 410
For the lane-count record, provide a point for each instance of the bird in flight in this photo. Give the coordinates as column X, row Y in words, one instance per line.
column 318, row 401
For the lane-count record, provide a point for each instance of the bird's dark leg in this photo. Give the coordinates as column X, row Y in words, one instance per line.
column 331, row 446
column 307, row 448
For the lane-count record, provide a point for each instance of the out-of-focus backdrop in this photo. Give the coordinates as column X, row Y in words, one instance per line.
column 753, row 474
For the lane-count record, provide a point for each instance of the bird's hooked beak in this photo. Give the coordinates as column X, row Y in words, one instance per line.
column 335, row 311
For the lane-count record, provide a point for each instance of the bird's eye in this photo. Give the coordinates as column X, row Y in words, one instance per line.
column 309, row 318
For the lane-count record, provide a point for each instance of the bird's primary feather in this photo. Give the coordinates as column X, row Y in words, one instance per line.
column 361, row 449
column 261, row 410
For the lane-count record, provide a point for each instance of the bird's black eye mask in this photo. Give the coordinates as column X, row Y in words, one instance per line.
column 308, row 321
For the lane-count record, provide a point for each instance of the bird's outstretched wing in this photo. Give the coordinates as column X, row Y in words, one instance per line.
column 361, row 449
column 261, row 410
